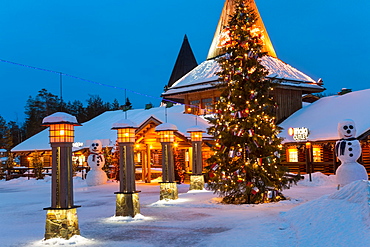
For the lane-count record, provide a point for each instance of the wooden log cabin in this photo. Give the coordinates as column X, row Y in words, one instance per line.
column 147, row 148
column 197, row 89
column 310, row 133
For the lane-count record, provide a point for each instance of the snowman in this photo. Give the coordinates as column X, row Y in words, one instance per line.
column 348, row 150
column 96, row 161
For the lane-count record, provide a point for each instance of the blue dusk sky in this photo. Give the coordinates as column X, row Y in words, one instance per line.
column 134, row 45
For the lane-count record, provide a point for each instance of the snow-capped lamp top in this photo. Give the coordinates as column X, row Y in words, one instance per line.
column 60, row 117
column 125, row 131
column 124, row 123
column 166, row 132
column 61, row 127
column 195, row 133
column 166, row 126
column 347, row 129
column 195, row 128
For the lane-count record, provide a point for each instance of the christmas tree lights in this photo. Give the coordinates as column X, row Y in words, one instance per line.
column 245, row 166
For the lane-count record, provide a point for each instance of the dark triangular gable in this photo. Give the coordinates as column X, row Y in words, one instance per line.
column 185, row 62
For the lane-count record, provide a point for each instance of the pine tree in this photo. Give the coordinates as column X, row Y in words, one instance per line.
column 16, row 132
column 108, row 157
column 3, row 132
column 95, row 106
column 37, row 165
column 244, row 167
column 37, row 108
column 127, row 106
column 115, row 105
column 77, row 109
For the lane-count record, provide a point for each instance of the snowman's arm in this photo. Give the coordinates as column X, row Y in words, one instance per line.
column 336, row 148
column 102, row 158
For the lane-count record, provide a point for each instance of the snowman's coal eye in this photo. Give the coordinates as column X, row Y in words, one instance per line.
column 345, row 127
column 351, row 127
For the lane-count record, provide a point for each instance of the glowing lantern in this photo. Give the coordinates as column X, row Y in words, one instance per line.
column 196, row 179
column 308, row 144
column 62, row 212
column 195, row 133
column 127, row 199
column 125, row 130
column 166, row 132
column 61, row 127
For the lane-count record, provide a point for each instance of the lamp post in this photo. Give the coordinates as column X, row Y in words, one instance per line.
column 309, row 159
column 196, row 178
column 61, row 217
column 168, row 186
column 127, row 199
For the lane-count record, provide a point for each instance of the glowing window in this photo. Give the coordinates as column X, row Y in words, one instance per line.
column 207, row 105
column 292, row 155
column 316, row 153
column 194, row 107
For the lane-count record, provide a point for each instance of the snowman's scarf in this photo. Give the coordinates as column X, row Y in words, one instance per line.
column 341, row 144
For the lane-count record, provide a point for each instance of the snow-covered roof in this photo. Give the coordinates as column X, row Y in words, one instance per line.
column 60, row 117
column 205, row 73
column 196, row 128
column 100, row 127
column 124, row 123
column 166, row 126
column 322, row 117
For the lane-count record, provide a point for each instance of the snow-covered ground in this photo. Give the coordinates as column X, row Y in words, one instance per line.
column 316, row 214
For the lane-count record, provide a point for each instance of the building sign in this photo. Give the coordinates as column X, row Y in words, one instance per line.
column 299, row 134
column 77, row 144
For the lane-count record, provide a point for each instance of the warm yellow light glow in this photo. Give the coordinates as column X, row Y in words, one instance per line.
column 292, row 155
column 61, row 133
column 126, row 135
column 166, row 136
column 316, row 154
column 290, row 131
column 196, row 136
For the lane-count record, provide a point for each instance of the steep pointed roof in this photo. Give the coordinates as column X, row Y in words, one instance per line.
column 228, row 10
column 185, row 62
column 204, row 76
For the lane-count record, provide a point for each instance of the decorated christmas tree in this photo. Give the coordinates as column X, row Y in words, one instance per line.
column 245, row 166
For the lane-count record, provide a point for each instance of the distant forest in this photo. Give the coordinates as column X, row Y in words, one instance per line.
column 46, row 103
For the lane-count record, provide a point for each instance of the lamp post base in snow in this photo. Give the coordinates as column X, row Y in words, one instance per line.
column 196, row 182
column 127, row 203
column 61, row 223
column 168, row 191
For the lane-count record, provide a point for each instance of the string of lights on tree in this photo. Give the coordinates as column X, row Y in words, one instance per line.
column 244, row 167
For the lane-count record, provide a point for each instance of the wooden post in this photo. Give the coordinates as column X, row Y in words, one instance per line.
column 148, row 165
column 308, row 159
column 143, row 166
